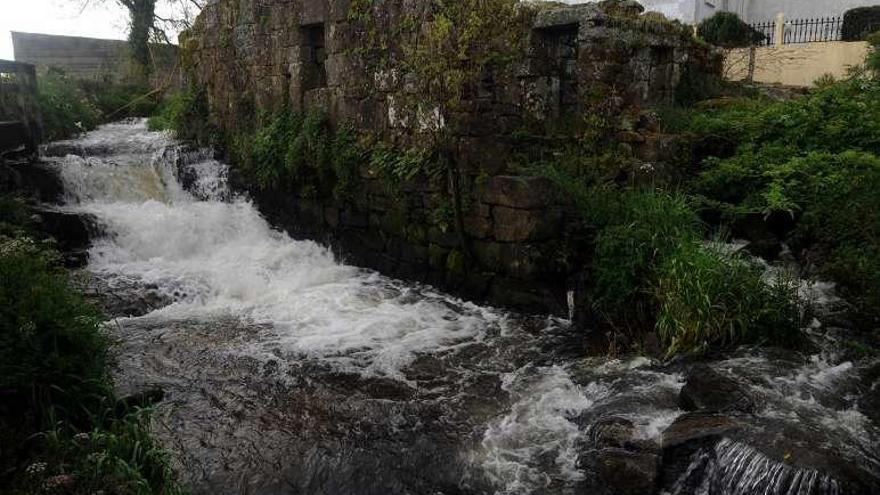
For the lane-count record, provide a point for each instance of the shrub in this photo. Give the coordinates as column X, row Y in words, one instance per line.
column 709, row 299
column 637, row 230
column 46, row 330
column 59, row 423
column 859, row 22
column 872, row 61
column 726, row 29
column 186, row 114
column 66, row 109
column 119, row 456
column 838, row 196
column 806, row 159
column 117, row 100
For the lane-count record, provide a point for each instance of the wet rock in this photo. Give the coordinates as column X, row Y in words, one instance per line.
column 518, row 192
column 612, row 432
column 72, row 232
column 697, row 427
column 37, row 179
column 124, row 297
column 514, row 225
column 706, row 389
column 714, row 453
column 64, row 148
column 683, row 439
column 622, row 464
column 625, row 472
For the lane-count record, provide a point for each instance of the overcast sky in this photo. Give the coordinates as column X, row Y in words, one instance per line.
column 99, row 20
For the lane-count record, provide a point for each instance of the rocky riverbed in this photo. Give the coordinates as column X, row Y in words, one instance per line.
column 284, row 370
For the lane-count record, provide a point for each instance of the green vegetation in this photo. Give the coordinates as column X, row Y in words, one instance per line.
column 710, row 299
column 727, row 30
column 651, row 269
column 70, row 106
column 186, row 113
column 812, row 159
column 65, row 107
column 61, row 428
column 859, row 22
column 303, row 152
column 873, row 59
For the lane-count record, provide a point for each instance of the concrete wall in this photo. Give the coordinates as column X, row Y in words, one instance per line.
column 84, row 57
column 796, row 64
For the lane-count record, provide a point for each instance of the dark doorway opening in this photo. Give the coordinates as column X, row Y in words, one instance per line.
column 314, row 57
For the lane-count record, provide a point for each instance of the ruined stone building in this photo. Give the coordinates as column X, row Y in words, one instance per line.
column 254, row 57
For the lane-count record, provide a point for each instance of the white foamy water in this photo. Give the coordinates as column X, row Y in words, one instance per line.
column 215, row 258
column 538, row 430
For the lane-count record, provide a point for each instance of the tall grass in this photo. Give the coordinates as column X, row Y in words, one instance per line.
column 709, row 300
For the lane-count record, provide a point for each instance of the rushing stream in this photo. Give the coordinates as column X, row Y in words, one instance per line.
column 285, row 370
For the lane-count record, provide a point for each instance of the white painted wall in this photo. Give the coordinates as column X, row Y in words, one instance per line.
column 762, row 10
column 749, row 10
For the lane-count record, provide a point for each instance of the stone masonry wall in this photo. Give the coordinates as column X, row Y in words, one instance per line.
column 521, row 245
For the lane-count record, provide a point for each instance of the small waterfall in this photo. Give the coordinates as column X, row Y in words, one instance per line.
column 290, row 371
column 733, row 468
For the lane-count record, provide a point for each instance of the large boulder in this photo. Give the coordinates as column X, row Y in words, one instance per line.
column 623, row 465
column 709, row 390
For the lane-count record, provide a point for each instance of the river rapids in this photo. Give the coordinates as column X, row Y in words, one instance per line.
column 285, row 370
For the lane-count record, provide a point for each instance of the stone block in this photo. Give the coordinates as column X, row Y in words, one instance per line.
column 517, row 191
column 515, row 225
column 331, row 216
column 477, row 227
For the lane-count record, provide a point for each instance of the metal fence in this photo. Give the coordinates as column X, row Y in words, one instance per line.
column 802, row 30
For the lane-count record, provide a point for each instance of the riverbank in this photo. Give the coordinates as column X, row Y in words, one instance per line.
column 283, row 369
column 62, row 427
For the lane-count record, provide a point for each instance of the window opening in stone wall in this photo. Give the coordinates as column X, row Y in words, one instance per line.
column 314, row 57
column 557, row 51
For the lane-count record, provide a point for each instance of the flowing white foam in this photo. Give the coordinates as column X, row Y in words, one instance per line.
column 538, row 427
column 216, row 258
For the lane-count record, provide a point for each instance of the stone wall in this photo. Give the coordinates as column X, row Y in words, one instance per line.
column 519, row 244
column 19, row 107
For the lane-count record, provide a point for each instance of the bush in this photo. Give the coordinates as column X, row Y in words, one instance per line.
column 637, row 230
column 805, row 158
column 45, row 331
column 186, row 114
column 61, row 428
column 70, row 106
column 709, row 300
column 872, row 61
column 66, row 109
column 859, row 22
column 726, row 29
column 117, row 100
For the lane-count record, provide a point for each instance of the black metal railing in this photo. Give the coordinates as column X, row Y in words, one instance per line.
column 813, row 30
column 767, row 30
column 801, row 30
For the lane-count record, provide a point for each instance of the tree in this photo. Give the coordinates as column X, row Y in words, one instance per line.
column 152, row 20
